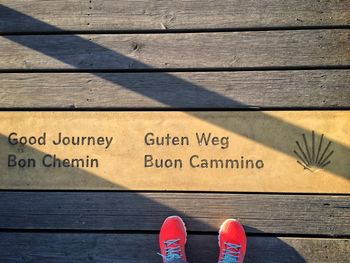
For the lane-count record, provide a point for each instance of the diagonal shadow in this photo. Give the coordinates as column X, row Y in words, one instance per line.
column 188, row 92
column 193, row 95
column 41, row 211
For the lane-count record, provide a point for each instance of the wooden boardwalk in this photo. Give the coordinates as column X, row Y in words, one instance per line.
column 175, row 55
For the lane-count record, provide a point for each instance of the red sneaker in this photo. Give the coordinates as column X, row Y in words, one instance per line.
column 232, row 242
column 172, row 239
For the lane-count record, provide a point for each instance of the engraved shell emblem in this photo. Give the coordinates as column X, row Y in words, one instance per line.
column 315, row 154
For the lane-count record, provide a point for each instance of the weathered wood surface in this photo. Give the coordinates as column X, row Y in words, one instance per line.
column 51, row 215
column 309, row 88
column 270, row 213
column 143, row 248
column 169, row 14
column 185, row 50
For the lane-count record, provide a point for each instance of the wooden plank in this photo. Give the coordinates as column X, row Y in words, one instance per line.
column 308, row 88
column 200, row 151
column 137, row 248
column 23, row 16
column 186, row 50
column 260, row 213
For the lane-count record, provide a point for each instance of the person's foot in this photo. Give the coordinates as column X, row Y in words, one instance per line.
column 172, row 239
column 232, row 242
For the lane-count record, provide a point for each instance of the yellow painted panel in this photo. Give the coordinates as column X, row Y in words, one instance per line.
column 270, row 151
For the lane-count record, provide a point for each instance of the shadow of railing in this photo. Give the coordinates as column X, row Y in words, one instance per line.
column 190, row 93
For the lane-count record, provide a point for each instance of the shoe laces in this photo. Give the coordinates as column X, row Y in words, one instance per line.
column 171, row 253
column 231, row 253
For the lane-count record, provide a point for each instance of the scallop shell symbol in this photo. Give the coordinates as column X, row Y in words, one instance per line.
column 314, row 156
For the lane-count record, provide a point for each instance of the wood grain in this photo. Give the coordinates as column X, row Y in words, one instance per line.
column 143, row 248
column 186, row 50
column 260, row 213
column 309, row 88
column 36, row 225
column 23, row 16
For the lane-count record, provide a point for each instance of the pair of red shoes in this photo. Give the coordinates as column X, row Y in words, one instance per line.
column 172, row 240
